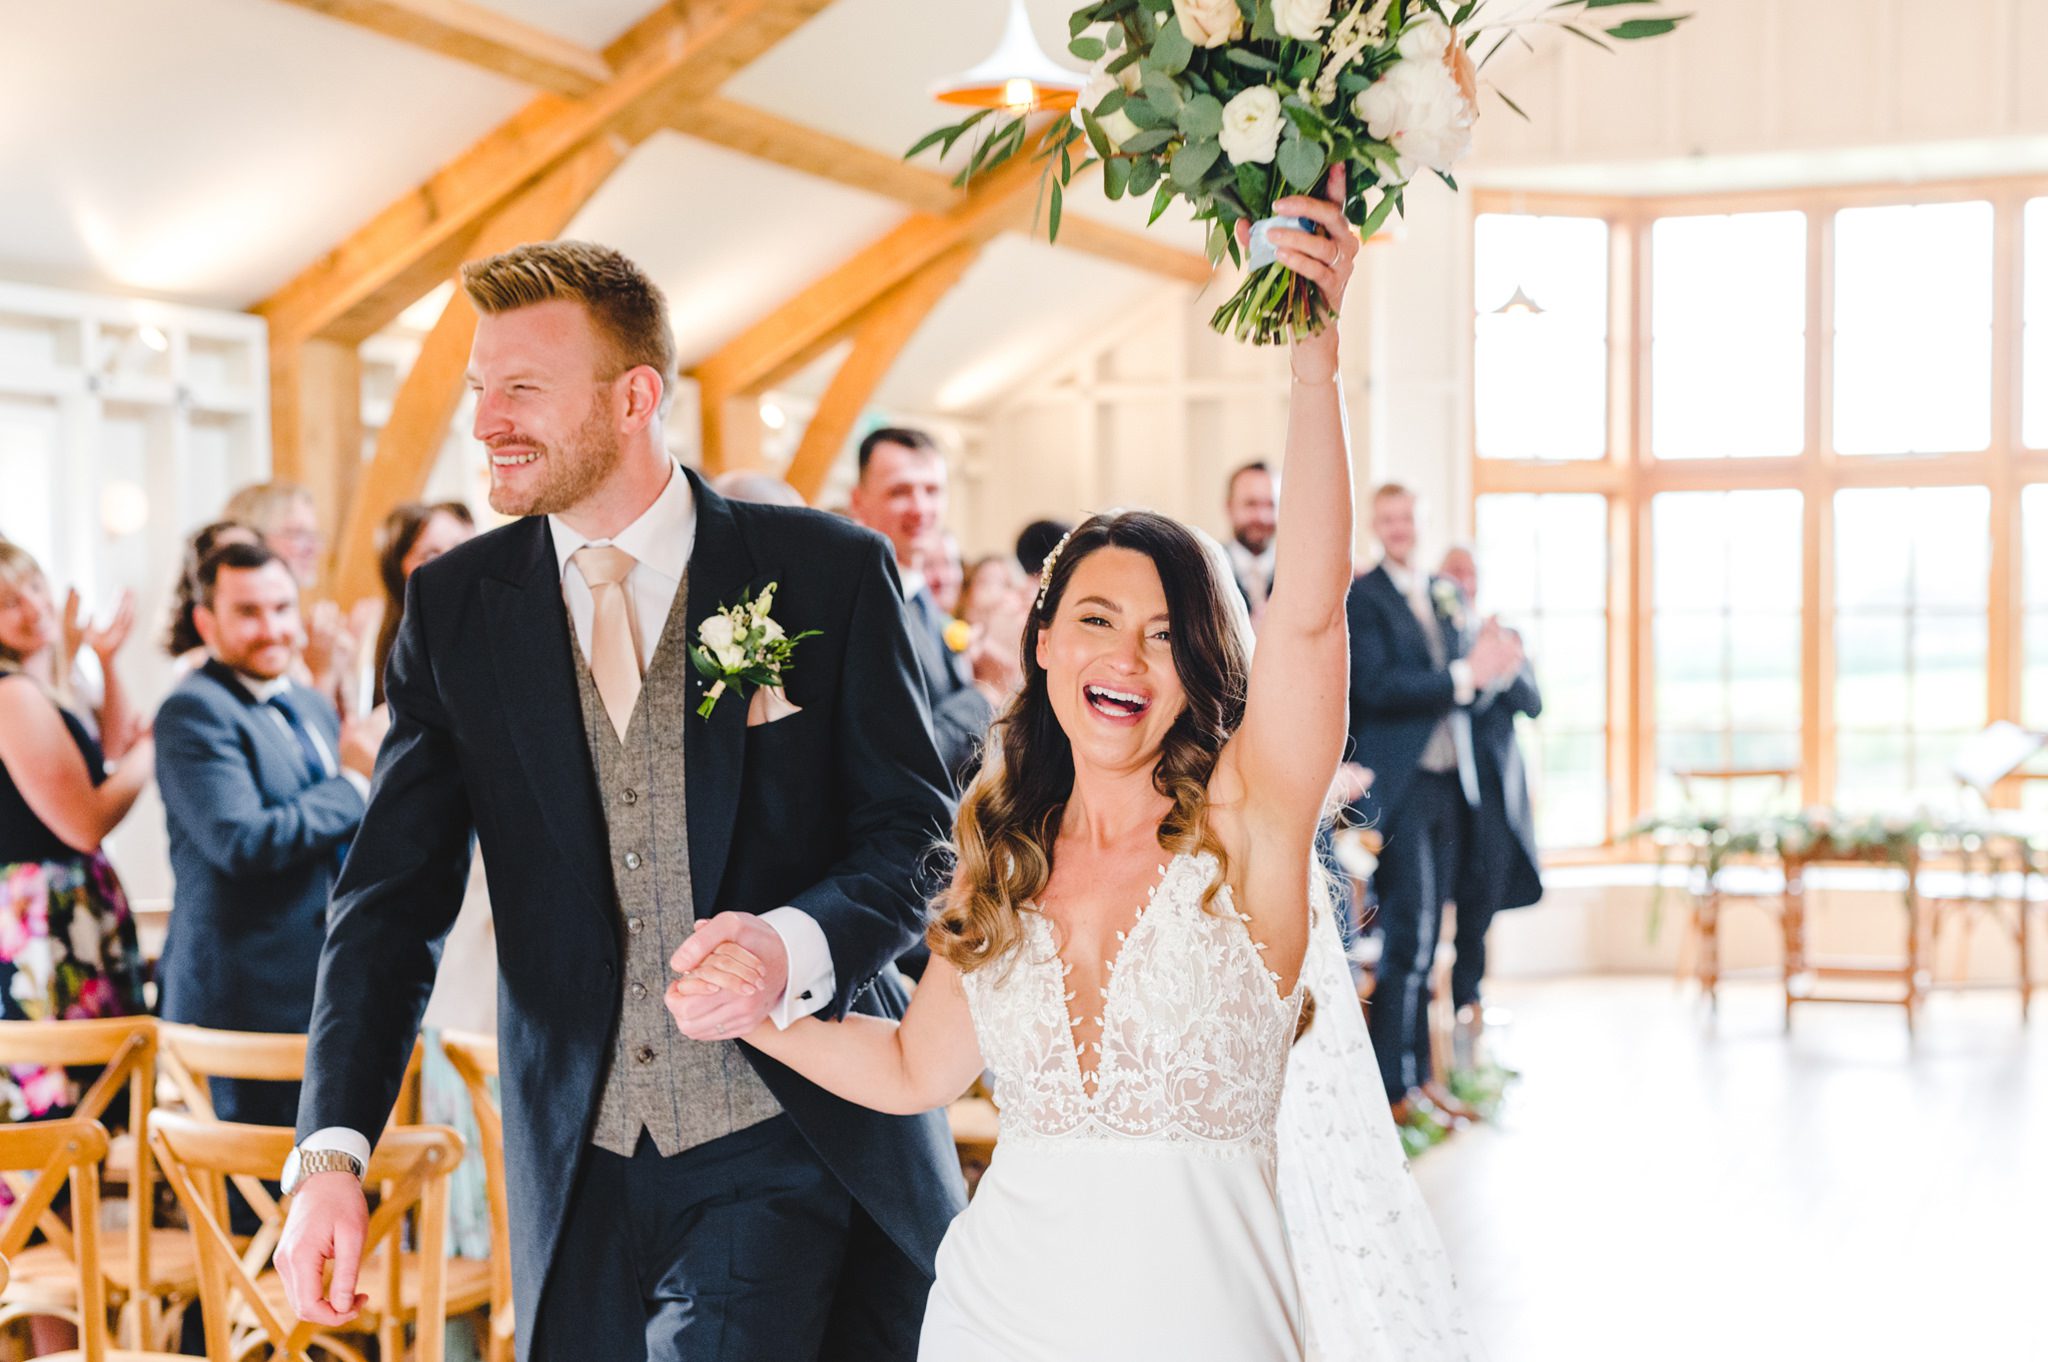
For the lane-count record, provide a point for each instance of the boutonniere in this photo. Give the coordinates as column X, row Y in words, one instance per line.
column 1449, row 605
column 742, row 642
column 959, row 635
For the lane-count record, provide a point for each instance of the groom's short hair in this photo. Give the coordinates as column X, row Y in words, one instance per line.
column 628, row 311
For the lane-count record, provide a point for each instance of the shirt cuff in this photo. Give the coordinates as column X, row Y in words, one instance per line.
column 1462, row 689
column 812, row 980
column 341, row 1140
column 360, row 781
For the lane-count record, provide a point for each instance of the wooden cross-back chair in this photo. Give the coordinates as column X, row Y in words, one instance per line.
column 44, row 1276
column 1708, row 889
column 51, row 1155
column 247, row 1312
column 475, row 1059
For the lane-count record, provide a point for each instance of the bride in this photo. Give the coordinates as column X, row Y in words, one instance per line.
column 1126, row 944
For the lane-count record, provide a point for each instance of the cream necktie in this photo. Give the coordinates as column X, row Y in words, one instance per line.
column 614, row 661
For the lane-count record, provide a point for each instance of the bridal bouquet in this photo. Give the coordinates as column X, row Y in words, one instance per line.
column 1233, row 104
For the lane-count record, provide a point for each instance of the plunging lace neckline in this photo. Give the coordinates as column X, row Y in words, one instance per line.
column 1090, row 1081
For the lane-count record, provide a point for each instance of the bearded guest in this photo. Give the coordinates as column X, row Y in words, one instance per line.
column 1252, row 499
column 263, row 787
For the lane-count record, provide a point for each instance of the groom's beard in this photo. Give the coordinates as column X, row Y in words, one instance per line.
column 567, row 475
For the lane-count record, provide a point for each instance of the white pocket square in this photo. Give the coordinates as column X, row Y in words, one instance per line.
column 768, row 705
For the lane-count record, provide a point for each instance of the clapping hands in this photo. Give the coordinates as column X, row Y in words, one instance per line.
column 1496, row 653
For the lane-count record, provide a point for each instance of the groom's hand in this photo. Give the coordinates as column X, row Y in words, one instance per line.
column 725, row 993
column 327, row 1223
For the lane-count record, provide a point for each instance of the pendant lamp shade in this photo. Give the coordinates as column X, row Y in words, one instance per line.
column 1017, row 76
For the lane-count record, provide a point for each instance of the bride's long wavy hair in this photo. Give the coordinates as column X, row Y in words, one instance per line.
column 1010, row 816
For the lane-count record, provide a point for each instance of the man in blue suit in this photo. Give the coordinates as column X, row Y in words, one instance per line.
column 1413, row 682
column 263, row 788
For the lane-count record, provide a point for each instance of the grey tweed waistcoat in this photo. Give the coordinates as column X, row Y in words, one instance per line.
column 682, row 1092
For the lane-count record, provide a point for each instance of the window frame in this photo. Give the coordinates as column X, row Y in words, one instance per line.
column 1630, row 476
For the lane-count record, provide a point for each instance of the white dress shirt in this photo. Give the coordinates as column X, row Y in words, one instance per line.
column 660, row 542
column 266, row 691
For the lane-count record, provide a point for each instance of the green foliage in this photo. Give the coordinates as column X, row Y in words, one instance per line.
column 1176, row 121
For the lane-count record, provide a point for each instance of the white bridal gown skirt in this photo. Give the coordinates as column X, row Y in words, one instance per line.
column 1098, row 1250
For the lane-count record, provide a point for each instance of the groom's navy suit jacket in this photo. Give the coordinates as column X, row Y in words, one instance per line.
column 835, row 810
column 1398, row 693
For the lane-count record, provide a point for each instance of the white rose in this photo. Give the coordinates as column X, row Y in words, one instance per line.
column 1251, row 126
column 1117, row 127
column 1303, row 19
column 1418, row 108
column 1210, row 23
column 1424, row 40
column 717, row 635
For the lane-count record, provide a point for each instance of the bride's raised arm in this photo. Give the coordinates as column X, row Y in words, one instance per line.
column 1286, row 752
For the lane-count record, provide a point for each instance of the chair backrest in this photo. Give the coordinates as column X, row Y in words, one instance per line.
column 50, row 1154
column 409, row 1169
column 475, row 1059
column 125, row 1051
column 190, row 1055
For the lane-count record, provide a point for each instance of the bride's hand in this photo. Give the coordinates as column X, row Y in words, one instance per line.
column 1326, row 261
column 731, row 968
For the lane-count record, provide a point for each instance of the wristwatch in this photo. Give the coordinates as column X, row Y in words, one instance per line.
column 304, row 1163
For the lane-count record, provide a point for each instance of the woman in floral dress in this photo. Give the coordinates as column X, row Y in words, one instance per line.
column 67, row 939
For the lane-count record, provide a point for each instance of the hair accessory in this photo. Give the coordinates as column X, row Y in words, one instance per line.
column 1045, row 570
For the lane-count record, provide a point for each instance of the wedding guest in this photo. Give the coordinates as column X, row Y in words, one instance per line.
column 1252, row 499
column 1036, row 541
column 263, row 787
column 944, row 572
column 1413, row 680
column 1499, row 869
column 411, row 536
column 750, row 484
column 181, row 640
column 284, row 514
column 992, row 584
column 901, row 493
column 67, row 938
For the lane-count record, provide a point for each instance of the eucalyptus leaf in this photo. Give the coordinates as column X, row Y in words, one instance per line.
column 1145, row 172
column 1087, row 49
column 1110, row 103
column 1141, row 112
column 1151, row 139
column 1301, row 161
column 1053, row 214
column 1242, row 57
column 1163, row 94
column 1202, row 117
column 1116, row 177
column 1171, row 50
column 1255, row 188
column 1195, row 160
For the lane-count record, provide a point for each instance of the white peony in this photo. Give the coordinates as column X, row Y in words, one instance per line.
column 1420, row 107
column 717, row 635
column 1302, row 19
column 1210, row 23
column 1251, row 126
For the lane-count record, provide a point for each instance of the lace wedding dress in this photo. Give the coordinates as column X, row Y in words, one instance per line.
column 1134, row 1208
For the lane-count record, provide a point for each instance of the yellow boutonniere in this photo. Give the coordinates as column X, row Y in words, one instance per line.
column 959, row 633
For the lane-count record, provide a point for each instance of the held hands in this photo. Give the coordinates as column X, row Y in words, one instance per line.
column 1325, row 260
column 734, row 971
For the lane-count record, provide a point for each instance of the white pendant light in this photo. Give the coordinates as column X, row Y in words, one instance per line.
column 1017, row 76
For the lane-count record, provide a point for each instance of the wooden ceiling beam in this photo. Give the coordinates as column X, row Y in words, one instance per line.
column 686, row 49
column 878, row 339
column 807, row 325
column 470, row 33
column 796, row 146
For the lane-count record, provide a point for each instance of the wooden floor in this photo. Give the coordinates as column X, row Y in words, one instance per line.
column 1662, row 1187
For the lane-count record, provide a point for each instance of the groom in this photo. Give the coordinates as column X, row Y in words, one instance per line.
column 671, row 1199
